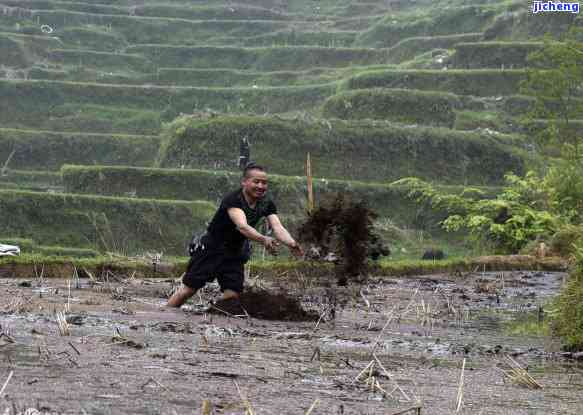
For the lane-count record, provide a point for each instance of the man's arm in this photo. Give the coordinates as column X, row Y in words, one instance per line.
column 282, row 235
column 240, row 220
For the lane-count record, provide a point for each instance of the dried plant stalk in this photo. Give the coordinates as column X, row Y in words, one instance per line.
column 64, row 329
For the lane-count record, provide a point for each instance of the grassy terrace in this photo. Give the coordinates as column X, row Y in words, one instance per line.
column 409, row 48
column 48, row 104
column 381, row 151
column 28, row 247
column 522, row 24
column 478, row 82
column 398, row 105
column 208, row 78
column 121, row 72
column 438, row 21
column 100, row 60
column 331, row 38
column 289, row 192
column 493, row 54
column 32, row 180
column 21, row 51
column 264, row 59
column 219, row 10
column 182, row 11
column 108, row 223
column 236, row 78
column 158, row 30
column 49, row 150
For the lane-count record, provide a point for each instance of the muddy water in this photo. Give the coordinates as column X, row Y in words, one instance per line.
column 126, row 355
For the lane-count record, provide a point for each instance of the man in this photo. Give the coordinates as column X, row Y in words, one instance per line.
column 221, row 252
column 244, row 153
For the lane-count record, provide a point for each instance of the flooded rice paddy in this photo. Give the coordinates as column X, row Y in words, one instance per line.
column 384, row 347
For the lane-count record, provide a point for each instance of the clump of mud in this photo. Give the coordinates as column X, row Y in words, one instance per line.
column 344, row 227
column 265, row 305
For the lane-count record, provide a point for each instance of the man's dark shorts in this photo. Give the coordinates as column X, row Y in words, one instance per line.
column 209, row 261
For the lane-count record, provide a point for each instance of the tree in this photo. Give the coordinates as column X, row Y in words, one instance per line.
column 555, row 80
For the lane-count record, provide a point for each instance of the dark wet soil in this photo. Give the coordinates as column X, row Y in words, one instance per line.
column 266, row 305
column 343, row 226
column 127, row 355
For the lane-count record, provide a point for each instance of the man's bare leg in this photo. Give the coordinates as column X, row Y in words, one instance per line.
column 180, row 296
column 230, row 294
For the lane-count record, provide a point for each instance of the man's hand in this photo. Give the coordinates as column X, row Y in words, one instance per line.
column 296, row 250
column 271, row 245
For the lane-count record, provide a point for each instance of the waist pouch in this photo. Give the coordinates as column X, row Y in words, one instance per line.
column 206, row 242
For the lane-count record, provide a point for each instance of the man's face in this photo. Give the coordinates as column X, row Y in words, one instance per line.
column 255, row 184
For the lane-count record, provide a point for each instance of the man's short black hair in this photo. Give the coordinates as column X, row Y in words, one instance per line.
column 252, row 166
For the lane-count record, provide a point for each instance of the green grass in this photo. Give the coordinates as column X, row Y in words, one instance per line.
column 30, row 247
column 528, row 325
column 61, row 267
column 36, row 150
column 479, row 82
column 365, row 151
column 398, row 105
column 567, row 309
column 105, row 223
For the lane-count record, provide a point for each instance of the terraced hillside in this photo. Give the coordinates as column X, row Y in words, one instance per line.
column 375, row 90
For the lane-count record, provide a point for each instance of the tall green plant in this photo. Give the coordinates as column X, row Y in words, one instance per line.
column 568, row 311
column 508, row 222
column 564, row 184
column 555, row 80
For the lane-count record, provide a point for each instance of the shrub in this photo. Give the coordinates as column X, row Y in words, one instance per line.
column 517, row 216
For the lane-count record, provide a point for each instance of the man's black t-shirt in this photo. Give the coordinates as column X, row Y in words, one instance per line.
column 222, row 229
